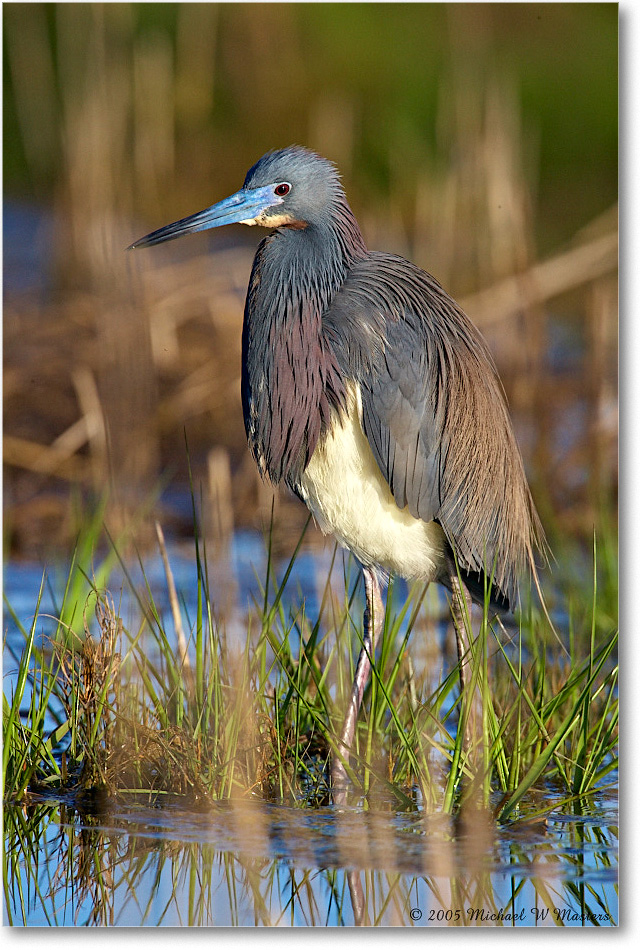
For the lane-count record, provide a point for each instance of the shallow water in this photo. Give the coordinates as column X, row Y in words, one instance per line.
column 251, row 863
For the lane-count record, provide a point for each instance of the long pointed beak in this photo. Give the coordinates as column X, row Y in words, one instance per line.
column 240, row 208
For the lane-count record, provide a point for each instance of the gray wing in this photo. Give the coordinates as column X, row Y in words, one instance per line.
column 435, row 415
column 401, row 422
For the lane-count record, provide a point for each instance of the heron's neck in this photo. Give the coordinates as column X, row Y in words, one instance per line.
column 314, row 261
column 290, row 376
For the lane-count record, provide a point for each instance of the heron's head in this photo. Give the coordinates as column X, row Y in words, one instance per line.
column 292, row 187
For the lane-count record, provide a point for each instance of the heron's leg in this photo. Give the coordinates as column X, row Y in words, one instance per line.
column 461, row 606
column 357, row 898
column 372, row 627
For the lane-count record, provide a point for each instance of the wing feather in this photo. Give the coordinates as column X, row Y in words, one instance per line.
column 435, row 415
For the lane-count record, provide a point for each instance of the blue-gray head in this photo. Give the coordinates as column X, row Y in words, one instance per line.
column 292, row 187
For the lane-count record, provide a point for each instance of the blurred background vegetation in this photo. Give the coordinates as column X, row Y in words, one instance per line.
column 478, row 139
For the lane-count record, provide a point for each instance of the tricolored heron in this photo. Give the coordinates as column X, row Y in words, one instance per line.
column 375, row 399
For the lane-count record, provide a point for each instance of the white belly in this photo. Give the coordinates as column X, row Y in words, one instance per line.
column 349, row 497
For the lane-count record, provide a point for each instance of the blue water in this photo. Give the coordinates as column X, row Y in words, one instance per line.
column 237, row 581
column 249, row 863
column 257, row 864
column 27, row 241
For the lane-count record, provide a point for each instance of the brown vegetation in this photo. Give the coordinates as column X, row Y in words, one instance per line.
column 131, row 354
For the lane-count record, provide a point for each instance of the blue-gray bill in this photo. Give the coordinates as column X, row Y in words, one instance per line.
column 243, row 207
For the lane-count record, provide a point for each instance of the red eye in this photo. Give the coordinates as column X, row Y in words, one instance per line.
column 282, row 189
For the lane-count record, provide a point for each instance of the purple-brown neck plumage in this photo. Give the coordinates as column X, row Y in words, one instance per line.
column 290, row 376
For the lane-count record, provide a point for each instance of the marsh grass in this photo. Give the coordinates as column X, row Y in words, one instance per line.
column 121, row 713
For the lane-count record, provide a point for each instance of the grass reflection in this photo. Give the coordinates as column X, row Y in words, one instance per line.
column 191, row 785
column 248, row 863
